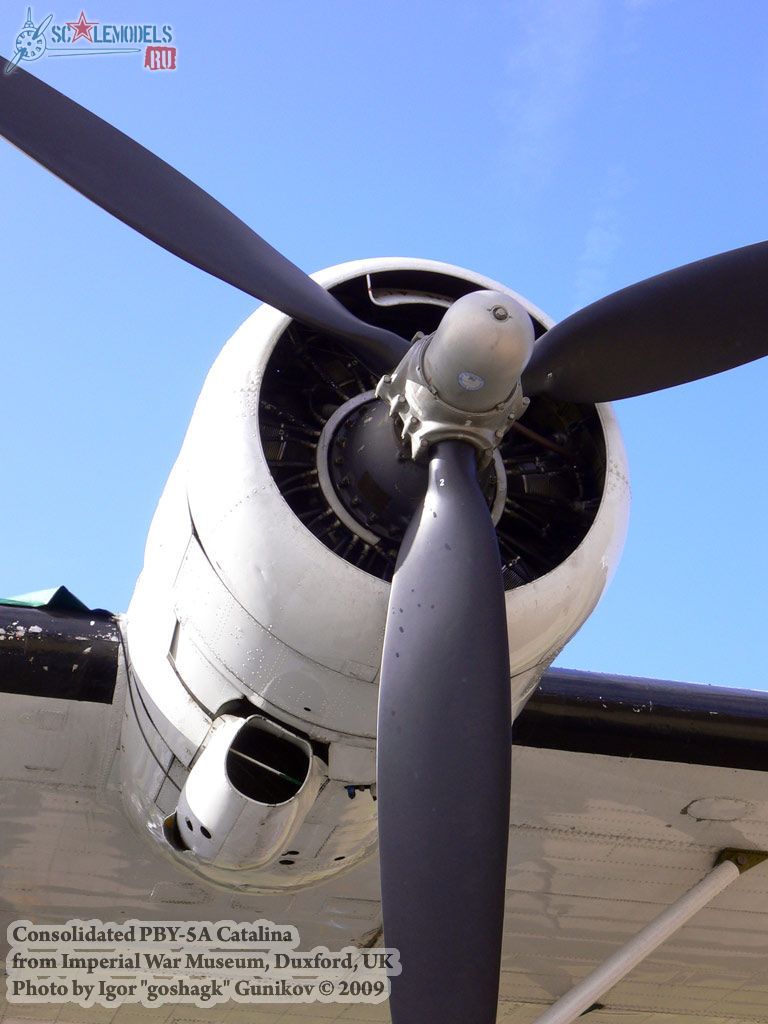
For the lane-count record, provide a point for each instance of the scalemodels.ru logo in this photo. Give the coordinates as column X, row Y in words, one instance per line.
column 85, row 38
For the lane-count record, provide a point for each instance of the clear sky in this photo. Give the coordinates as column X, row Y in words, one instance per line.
column 565, row 147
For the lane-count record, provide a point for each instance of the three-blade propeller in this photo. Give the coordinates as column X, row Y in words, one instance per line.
column 444, row 713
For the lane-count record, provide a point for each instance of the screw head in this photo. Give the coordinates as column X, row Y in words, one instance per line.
column 500, row 313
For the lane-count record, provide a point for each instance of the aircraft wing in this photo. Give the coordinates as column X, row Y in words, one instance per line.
column 624, row 792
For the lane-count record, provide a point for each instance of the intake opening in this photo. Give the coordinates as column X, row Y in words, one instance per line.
column 266, row 767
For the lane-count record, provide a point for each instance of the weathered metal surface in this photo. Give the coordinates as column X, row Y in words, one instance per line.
column 68, row 655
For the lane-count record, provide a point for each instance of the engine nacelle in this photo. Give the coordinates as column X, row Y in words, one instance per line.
column 262, row 593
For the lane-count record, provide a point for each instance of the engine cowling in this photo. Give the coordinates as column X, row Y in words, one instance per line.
column 265, row 587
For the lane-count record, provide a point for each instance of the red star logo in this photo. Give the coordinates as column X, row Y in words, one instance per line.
column 82, row 28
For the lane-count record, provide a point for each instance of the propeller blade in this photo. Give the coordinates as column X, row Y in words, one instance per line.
column 679, row 326
column 146, row 193
column 443, row 774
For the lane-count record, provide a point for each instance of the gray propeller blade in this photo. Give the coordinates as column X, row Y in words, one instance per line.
column 443, row 778
column 137, row 187
column 688, row 323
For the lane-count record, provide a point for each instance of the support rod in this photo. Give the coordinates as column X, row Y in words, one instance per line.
column 569, row 1007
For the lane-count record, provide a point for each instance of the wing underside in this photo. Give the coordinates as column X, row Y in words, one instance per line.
column 624, row 792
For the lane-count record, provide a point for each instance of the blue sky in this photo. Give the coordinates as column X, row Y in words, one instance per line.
column 566, row 147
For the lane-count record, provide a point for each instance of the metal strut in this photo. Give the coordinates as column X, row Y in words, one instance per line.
column 729, row 865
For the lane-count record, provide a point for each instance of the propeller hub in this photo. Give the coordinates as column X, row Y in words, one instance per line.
column 462, row 383
column 476, row 356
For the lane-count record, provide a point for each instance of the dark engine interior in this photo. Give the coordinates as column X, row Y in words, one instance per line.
column 554, row 458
